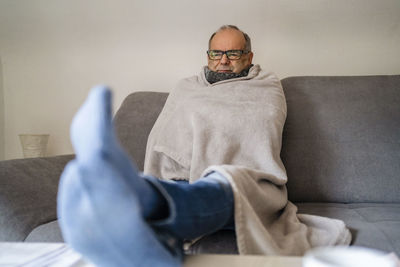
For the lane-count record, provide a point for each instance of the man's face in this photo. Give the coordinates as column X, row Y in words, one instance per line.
column 229, row 39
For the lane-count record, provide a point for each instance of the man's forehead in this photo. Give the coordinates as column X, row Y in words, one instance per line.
column 228, row 38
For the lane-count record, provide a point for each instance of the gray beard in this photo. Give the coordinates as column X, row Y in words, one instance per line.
column 213, row 77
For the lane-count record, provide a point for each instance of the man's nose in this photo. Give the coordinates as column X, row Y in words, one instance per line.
column 224, row 59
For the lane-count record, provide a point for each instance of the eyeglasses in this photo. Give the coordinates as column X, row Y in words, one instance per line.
column 231, row 54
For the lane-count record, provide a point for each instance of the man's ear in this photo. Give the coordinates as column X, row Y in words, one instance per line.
column 250, row 57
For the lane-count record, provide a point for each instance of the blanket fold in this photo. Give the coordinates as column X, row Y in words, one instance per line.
column 235, row 127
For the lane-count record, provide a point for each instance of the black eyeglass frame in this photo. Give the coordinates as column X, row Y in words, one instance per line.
column 226, row 53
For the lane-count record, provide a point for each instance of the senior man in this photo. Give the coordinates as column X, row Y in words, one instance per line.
column 212, row 162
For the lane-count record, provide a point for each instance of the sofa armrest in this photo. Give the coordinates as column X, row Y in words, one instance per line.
column 28, row 194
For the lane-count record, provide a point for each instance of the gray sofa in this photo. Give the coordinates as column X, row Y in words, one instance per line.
column 341, row 148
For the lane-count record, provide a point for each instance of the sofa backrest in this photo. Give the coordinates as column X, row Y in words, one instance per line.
column 341, row 141
column 134, row 121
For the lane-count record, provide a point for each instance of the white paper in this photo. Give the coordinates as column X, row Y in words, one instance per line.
column 40, row 254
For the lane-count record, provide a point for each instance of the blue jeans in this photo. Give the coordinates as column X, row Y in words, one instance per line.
column 194, row 210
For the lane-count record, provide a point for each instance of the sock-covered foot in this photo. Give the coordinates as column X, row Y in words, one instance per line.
column 93, row 135
column 100, row 195
column 100, row 217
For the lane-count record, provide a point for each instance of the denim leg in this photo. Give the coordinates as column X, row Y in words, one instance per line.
column 196, row 209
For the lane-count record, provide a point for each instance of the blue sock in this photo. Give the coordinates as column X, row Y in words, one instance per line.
column 101, row 195
column 92, row 135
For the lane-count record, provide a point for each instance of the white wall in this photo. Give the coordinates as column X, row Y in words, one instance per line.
column 53, row 51
column 1, row 114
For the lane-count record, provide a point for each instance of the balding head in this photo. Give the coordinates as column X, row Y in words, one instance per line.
column 233, row 27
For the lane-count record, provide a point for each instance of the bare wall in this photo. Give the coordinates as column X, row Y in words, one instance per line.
column 53, row 51
column 1, row 114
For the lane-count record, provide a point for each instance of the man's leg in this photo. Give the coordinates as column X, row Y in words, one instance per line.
column 112, row 215
column 196, row 209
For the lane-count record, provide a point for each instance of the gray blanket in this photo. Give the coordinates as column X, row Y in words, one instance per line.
column 235, row 127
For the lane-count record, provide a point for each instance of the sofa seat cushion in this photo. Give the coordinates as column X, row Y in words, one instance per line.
column 373, row 225
column 49, row 232
column 220, row 242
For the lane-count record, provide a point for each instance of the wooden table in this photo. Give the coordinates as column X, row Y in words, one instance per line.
column 241, row 261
